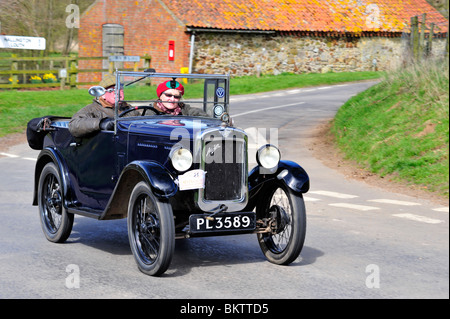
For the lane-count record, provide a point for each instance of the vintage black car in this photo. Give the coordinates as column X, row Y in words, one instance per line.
column 172, row 177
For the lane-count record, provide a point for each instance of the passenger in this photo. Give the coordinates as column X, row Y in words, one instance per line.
column 99, row 115
column 169, row 95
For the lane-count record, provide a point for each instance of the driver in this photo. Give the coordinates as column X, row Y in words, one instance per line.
column 99, row 115
column 169, row 95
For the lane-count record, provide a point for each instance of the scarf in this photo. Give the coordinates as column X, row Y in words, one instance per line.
column 175, row 111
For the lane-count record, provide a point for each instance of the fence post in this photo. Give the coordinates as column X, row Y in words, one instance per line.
column 14, row 67
column 147, row 61
column 62, row 84
column 446, row 45
column 147, row 64
column 429, row 46
column 415, row 37
column 24, row 76
column 73, row 74
column 422, row 37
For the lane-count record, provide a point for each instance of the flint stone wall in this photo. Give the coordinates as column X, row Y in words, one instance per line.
column 247, row 54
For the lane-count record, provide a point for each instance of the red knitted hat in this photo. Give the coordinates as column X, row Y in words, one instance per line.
column 167, row 85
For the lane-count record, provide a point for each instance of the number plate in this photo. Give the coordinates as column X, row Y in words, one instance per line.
column 224, row 222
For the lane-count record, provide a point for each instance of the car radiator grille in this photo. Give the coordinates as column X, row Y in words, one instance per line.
column 225, row 164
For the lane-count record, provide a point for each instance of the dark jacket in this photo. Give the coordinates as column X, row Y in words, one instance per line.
column 87, row 120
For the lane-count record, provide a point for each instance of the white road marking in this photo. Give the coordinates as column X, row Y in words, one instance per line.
column 310, row 199
column 267, row 108
column 9, row 155
column 394, row 202
column 333, row 194
column 353, row 206
column 419, row 218
column 17, row 156
column 294, row 91
column 441, row 209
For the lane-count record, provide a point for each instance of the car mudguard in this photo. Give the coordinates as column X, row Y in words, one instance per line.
column 290, row 172
column 48, row 155
column 161, row 181
column 294, row 176
column 157, row 176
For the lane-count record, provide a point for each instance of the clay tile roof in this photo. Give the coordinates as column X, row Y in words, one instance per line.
column 304, row 15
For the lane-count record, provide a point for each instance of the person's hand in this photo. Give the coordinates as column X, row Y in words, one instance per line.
column 107, row 124
column 124, row 106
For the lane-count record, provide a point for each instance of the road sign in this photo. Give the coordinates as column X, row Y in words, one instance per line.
column 62, row 73
column 17, row 42
column 124, row 58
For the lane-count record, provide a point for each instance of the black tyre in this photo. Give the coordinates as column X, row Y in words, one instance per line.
column 151, row 230
column 288, row 210
column 56, row 222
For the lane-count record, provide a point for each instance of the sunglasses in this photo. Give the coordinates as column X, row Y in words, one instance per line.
column 171, row 95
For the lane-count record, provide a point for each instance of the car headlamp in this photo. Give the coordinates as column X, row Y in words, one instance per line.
column 181, row 159
column 268, row 156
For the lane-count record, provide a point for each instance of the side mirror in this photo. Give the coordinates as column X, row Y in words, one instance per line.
column 97, row 91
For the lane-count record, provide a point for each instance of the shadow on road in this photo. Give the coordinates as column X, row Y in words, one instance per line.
column 111, row 237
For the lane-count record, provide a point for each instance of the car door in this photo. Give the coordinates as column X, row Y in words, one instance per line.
column 94, row 169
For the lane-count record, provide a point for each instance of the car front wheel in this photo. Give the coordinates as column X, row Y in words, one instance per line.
column 56, row 222
column 286, row 212
column 151, row 230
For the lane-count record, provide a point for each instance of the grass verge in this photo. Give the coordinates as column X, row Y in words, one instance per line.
column 400, row 127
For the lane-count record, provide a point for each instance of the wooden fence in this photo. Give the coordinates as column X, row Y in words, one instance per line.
column 421, row 38
column 18, row 73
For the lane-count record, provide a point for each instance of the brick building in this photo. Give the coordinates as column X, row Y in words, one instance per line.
column 249, row 36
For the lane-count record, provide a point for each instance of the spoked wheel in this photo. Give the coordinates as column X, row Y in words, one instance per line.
column 55, row 221
column 151, row 230
column 286, row 212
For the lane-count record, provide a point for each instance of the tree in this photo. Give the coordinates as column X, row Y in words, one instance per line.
column 41, row 18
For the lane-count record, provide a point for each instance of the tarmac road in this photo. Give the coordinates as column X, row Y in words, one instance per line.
column 361, row 241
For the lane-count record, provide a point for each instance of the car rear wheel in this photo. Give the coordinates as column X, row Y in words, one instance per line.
column 286, row 210
column 56, row 222
column 151, row 230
